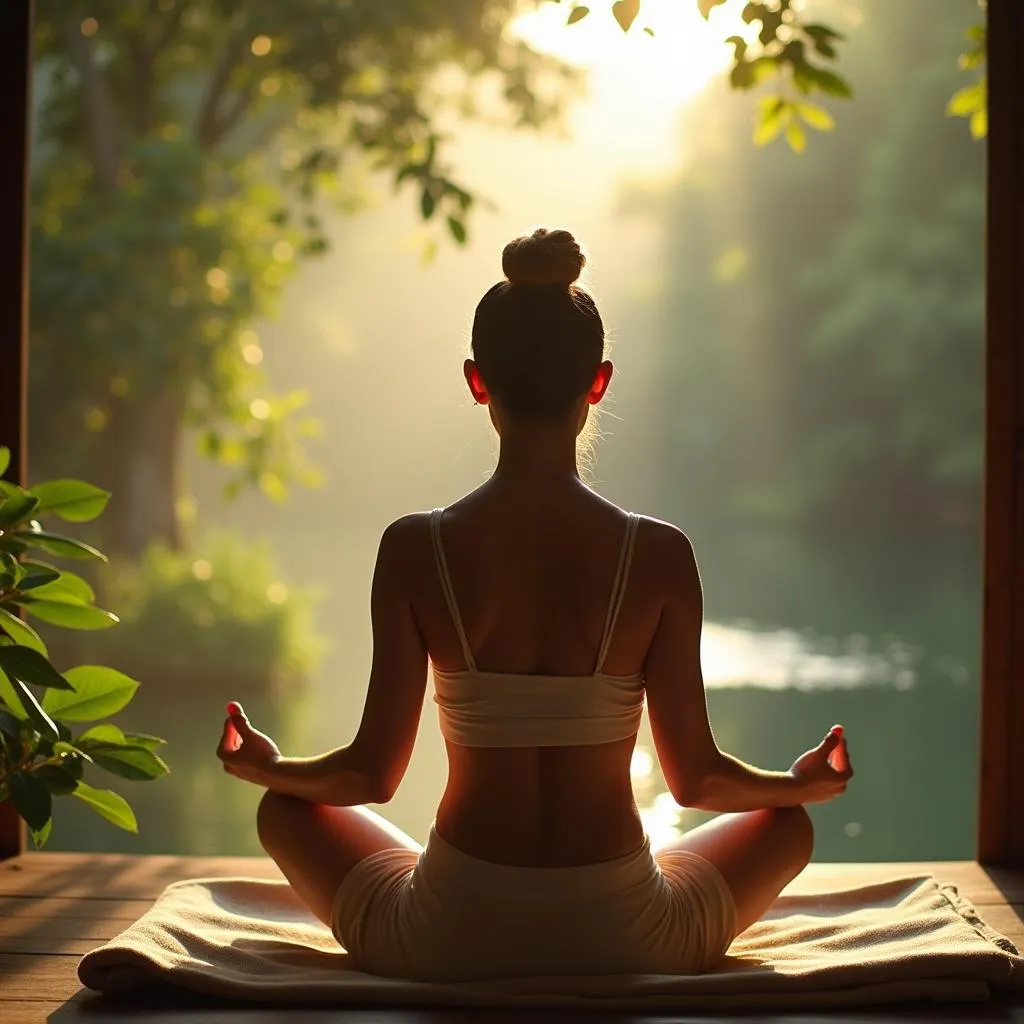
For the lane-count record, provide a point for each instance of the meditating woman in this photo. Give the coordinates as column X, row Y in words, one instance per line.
column 548, row 615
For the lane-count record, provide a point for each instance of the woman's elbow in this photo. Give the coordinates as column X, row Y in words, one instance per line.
column 354, row 788
column 688, row 792
column 379, row 785
column 694, row 788
column 381, row 790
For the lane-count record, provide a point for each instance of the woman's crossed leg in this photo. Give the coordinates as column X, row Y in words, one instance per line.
column 758, row 853
column 316, row 846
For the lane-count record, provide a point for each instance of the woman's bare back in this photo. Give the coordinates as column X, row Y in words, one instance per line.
column 533, row 577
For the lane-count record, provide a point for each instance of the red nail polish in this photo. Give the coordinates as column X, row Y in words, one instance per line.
column 234, row 708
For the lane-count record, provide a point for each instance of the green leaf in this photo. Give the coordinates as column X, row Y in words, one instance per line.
column 964, row 101
column 144, row 739
column 973, row 60
column 67, row 749
column 625, row 12
column 68, row 587
column 38, row 578
column 753, row 11
column 816, row 117
column 427, row 204
column 40, row 836
column 21, row 632
column 5, row 459
column 577, row 14
column 10, row 724
column 73, row 500
column 707, row 6
column 17, row 508
column 105, row 733
column 831, row 84
column 31, row 800
column 979, row 124
column 97, row 692
column 44, row 725
column 774, row 113
column 58, row 544
column 70, row 614
column 58, row 780
column 135, row 763
column 9, row 564
column 816, row 31
column 762, row 68
column 11, row 697
column 458, row 230
column 739, row 45
column 110, row 805
column 796, row 136
column 28, row 665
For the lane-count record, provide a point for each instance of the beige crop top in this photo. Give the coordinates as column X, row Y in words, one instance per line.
column 512, row 709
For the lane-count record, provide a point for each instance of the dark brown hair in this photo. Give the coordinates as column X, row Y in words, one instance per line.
column 538, row 338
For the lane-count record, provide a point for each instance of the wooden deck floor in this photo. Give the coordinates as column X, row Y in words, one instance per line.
column 55, row 907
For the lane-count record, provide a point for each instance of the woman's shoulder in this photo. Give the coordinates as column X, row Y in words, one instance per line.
column 411, row 523
column 663, row 535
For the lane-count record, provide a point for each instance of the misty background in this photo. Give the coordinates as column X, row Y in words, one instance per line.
column 799, row 386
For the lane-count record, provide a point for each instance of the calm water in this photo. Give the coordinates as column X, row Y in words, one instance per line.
column 902, row 677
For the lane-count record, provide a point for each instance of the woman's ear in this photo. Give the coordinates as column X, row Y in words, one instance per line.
column 475, row 382
column 602, row 379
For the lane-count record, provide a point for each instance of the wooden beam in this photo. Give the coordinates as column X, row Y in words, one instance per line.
column 1001, row 803
column 15, row 59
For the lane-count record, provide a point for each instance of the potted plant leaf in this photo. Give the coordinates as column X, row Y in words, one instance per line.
column 51, row 728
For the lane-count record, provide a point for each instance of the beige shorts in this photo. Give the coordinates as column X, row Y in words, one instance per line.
column 445, row 916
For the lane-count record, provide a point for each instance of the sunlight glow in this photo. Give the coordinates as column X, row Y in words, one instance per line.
column 661, row 820
column 638, row 83
column 641, row 765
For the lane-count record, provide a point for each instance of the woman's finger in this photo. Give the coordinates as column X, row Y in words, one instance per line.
column 229, row 741
column 222, row 743
column 241, row 724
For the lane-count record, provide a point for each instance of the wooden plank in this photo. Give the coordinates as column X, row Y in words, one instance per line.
column 13, row 908
column 982, row 885
column 1001, row 819
column 75, row 946
column 1008, row 920
column 58, row 934
column 118, row 876
column 121, row 876
column 15, row 43
column 38, row 977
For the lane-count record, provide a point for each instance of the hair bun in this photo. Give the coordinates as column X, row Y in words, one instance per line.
column 545, row 257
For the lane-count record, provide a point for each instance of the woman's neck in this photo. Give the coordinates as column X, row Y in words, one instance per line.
column 542, row 454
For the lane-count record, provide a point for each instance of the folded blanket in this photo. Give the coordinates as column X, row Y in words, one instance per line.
column 906, row 938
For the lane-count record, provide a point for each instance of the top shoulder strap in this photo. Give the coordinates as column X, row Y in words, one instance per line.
column 618, row 588
column 446, row 585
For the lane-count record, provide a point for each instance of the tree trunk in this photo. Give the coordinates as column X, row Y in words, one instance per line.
column 144, row 474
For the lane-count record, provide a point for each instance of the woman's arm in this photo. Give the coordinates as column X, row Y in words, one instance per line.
column 370, row 768
column 698, row 773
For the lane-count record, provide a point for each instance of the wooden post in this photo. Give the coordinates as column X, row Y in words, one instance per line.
column 1001, row 817
column 15, row 59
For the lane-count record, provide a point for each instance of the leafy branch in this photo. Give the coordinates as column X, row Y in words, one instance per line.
column 796, row 54
column 40, row 755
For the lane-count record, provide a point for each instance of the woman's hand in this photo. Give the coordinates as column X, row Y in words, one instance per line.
column 246, row 752
column 824, row 771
